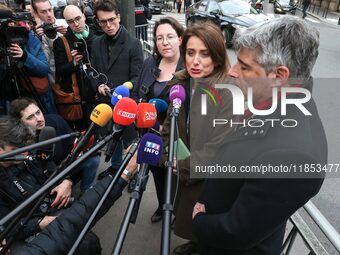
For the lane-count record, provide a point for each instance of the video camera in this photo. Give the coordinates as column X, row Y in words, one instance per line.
column 12, row 34
column 50, row 30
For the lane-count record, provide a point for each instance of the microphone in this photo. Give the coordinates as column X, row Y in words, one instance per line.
column 128, row 84
column 177, row 96
column 46, row 153
column 150, row 150
column 100, row 116
column 160, row 104
column 120, row 92
column 124, row 114
column 146, row 115
column 149, row 153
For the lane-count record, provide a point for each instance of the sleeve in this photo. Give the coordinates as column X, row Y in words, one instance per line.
column 59, row 236
column 136, row 61
column 136, row 89
column 36, row 61
column 94, row 62
column 63, row 67
column 261, row 206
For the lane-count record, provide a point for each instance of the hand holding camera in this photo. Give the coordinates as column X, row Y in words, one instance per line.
column 76, row 57
column 16, row 51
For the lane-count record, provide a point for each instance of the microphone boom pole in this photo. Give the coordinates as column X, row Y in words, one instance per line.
column 167, row 206
column 53, row 182
column 113, row 182
column 37, row 145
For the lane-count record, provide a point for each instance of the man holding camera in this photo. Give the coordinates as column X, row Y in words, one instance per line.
column 79, row 38
column 49, row 30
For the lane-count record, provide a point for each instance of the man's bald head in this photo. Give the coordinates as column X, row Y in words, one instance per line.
column 75, row 18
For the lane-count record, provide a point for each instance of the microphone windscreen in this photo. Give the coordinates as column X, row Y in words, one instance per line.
column 150, row 149
column 160, row 104
column 128, row 84
column 177, row 92
column 46, row 153
column 120, row 92
column 125, row 112
column 6, row 14
column 101, row 114
column 45, row 134
column 146, row 115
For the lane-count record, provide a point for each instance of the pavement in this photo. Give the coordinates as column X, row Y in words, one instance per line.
column 330, row 17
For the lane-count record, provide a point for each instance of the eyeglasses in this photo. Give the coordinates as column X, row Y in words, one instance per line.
column 71, row 21
column 104, row 22
column 168, row 37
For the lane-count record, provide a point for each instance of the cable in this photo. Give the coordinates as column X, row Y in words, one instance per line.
column 94, row 74
column 177, row 165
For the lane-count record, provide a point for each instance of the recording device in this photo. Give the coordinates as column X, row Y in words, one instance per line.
column 80, row 47
column 50, row 30
column 11, row 34
column 124, row 114
column 177, row 96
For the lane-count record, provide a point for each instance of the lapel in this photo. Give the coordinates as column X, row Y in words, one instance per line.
column 104, row 52
column 118, row 48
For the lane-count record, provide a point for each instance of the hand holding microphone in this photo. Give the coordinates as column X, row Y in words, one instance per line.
column 103, row 89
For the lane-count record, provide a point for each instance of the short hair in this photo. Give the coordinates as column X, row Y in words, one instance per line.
column 14, row 133
column 34, row 2
column 287, row 41
column 173, row 23
column 78, row 3
column 106, row 6
column 19, row 105
column 213, row 39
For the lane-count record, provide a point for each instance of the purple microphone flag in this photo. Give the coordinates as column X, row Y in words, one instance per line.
column 150, row 149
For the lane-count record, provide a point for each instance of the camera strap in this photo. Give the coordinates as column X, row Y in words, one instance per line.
column 75, row 87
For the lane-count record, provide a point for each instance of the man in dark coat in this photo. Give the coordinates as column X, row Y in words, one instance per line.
column 79, row 38
column 245, row 212
column 118, row 56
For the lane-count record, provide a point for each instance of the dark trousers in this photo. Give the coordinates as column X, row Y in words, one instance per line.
column 159, row 179
column 304, row 10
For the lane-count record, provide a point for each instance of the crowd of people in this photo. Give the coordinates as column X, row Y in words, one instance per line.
column 88, row 53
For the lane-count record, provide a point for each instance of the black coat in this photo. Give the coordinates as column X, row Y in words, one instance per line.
column 59, row 236
column 30, row 177
column 124, row 63
column 65, row 69
column 248, row 216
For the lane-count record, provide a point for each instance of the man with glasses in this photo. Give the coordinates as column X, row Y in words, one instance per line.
column 118, row 55
column 43, row 11
column 79, row 37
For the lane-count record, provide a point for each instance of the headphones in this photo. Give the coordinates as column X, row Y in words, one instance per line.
column 83, row 35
